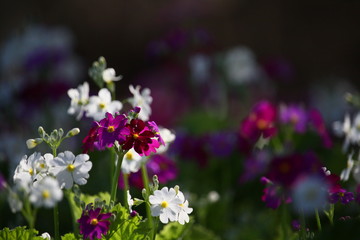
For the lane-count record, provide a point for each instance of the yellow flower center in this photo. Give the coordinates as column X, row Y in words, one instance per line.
column 102, row 105
column 42, row 165
column 45, row 194
column 70, row 167
column 129, row 156
column 135, row 135
column 110, row 129
column 94, row 221
column 164, row 204
column 261, row 124
column 284, row 167
column 341, row 194
column 181, row 205
column 31, row 171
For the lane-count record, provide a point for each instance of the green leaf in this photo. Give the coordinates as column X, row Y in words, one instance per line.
column 199, row 232
column 69, row 236
column 127, row 228
column 19, row 233
column 86, row 199
column 174, row 231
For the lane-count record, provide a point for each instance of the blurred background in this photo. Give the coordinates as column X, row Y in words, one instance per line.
column 204, row 59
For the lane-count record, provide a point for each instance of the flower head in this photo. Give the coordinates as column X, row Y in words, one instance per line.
column 108, row 75
column 131, row 162
column 79, row 99
column 142, row 100
column 69, row 169
column 93, row 223
column 341, row 195
column 294, row 115
column 101, row 104
column 165, row 204
column 185, row 210
column 46, row 193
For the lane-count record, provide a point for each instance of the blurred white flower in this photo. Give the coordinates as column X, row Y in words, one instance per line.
column 131, row 162
column 309, row 194
column 165, row 204
column 101, row 104
column 26, row 172
column 213, row 196
column 46, row 193
column 168, row 137
column 108, row 75
column 69, row 169
column 200, row 66
column 345, row 174
column 79, row 99
column 46, row 236
column 142, row 100
column 130, row 201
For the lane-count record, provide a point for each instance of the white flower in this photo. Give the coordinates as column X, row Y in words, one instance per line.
column 241, row 66
column 165, row 204
column 25, row 173
column 46, row 236
column 130, row 201
column 309, row 194
column 168, row 138
column 185, row 210
column 213, row 196
column 99, row 105
column 344, row 175
column 14, row 202
column 142, row 100
column 108, row 75
column 131, row 162
column 79, row 99
column 46, row 193
column 69, row 169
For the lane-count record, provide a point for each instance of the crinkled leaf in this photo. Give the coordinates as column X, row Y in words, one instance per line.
column 199, row 232
column 127, row 228
column 19, row 233
column 174, row 231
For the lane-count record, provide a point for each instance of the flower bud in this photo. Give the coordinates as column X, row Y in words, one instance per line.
column 73, row 132
column 31, row 143
column 41, row 132
column 177, row 188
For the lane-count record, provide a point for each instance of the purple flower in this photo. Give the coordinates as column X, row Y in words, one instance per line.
column 112, row 129
column 93, row 224
column 341, row 195
column 273, row 196
column 254, row 166
column 295, row 225
column 2, row 182
column 319, row 125
column 163, row 167
column 294, row 115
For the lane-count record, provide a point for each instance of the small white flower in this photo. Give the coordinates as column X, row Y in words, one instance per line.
column 46, row 236
column 183, row 216
column 130, row 201
column 14, row 202
column 31, row 143
column 142, row 100
column 46, row 193
column 213, row 196
column 131, row 162
column 168, row 138
column 344, row 175
column 26, row 173
column 309, row 194
column 79, row 99
column 99, row 105
column 69, row 169
column 165, row 204
column 108, row 75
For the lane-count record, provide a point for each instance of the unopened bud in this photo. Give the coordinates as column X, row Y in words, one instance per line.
column 143, row 192
column 31, row 143
column 73, row 132
column 177, row 188
column 41, row 132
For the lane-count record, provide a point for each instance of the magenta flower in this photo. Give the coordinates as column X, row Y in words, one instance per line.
column 93, row 224
column 140, row 137
column 294, row 115
column 261, row 121
column 273, row 195
column 112, row 129
column 163, row 167
column 342, row 196
column 221, row 144
column 91, row 140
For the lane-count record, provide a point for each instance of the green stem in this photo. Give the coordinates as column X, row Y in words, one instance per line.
column 126, row 188
column 56, row 223
column 284, row 221
column 72, row 211
column 303, row 225
column 318, row 222
column 114, row 185
column 145, row 178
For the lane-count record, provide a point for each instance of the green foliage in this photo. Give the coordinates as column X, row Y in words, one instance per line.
column 69, row 236
column 19, row 233
column 127, row 228
column 199, row 232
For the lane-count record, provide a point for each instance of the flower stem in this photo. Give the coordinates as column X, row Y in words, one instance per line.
column 318, row 222
column 114, row 185
column 72, row 210
column 302, row 225
column 56, row 222
column 145, row 178
column 126, row 188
